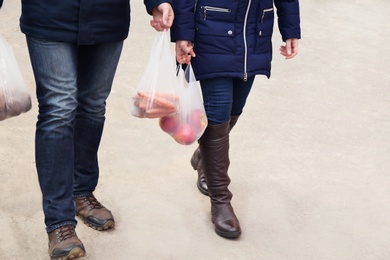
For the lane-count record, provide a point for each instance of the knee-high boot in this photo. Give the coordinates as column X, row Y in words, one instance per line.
column 214, row 149
column 196, row 162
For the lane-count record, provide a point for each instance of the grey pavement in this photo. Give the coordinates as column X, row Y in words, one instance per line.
column 310, row 156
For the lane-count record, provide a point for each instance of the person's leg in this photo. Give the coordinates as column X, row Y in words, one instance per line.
column 54, row 66
column 241, row 91
column 215, row 100
column 214, row 150
column 96, row 69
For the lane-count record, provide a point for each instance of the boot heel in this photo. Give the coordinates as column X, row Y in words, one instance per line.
column 195, row 159
column 196, row 165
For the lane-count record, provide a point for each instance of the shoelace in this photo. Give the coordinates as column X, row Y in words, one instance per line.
column 92, row 202
column 66, row 232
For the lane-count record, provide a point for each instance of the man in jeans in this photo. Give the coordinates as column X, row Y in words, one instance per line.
column 74, row 47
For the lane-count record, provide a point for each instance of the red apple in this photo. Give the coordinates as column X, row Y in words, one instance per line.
column 198, row 120
column 14, row 108
column 185, row 134
column 169, row 123
column 25, row 100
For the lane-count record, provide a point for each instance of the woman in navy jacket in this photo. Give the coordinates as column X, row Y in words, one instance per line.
column 228, row 43
column 74, row 47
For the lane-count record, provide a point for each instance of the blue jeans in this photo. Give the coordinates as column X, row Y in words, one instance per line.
column 224, row 97
column 72, row 85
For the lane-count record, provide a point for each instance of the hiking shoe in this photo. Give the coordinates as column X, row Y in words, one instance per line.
column 64, row 244
column 93, row 213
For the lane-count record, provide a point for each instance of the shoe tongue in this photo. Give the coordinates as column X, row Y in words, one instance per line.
column 94, row 203
column 67, row 232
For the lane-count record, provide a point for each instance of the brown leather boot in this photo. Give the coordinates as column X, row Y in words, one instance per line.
column 64, row 244
column 93, row 213
column 214, row 147
column 196, row 162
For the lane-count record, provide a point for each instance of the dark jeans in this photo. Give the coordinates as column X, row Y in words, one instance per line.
column 224, row 97
column 72, row 85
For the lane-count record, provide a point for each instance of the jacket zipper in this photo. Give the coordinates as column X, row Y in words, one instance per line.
column 213, row 9
column 245, row 45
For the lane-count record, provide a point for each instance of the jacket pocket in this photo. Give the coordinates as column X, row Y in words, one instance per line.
column 215, row 13
column 214, row 30
column 265, row 24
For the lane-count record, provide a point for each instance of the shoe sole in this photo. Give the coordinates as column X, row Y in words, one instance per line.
column 108, row 225
column 74, row 253
column 233, row 234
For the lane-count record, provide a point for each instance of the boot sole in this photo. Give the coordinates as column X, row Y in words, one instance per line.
column 108, row 225
column 226, row 234
column 74, row 253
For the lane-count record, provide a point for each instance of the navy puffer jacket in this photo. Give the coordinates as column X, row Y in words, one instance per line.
column 233, row 37
column 81, row 21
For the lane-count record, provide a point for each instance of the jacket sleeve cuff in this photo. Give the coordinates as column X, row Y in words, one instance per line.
column 289, row 19
column 289, row 30
column 183, row 28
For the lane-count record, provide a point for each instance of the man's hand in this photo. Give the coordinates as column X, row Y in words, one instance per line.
column 290, row 49
column 162, row 17
column 184, row 52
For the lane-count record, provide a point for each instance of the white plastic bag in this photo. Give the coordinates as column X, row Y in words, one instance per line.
column 188, row 124
column 156, row 94
column 14, row 96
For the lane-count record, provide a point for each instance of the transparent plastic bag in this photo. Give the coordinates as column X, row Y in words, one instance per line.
column 156, row 94
column 14, row 96
column 188, row 124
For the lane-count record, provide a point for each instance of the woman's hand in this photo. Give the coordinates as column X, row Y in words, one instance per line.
column 290, row 49
column 184, row 52
column 162, row 17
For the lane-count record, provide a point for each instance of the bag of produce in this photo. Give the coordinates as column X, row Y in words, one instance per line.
column 156, row 94
column 190, row 121
column 14, row 96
